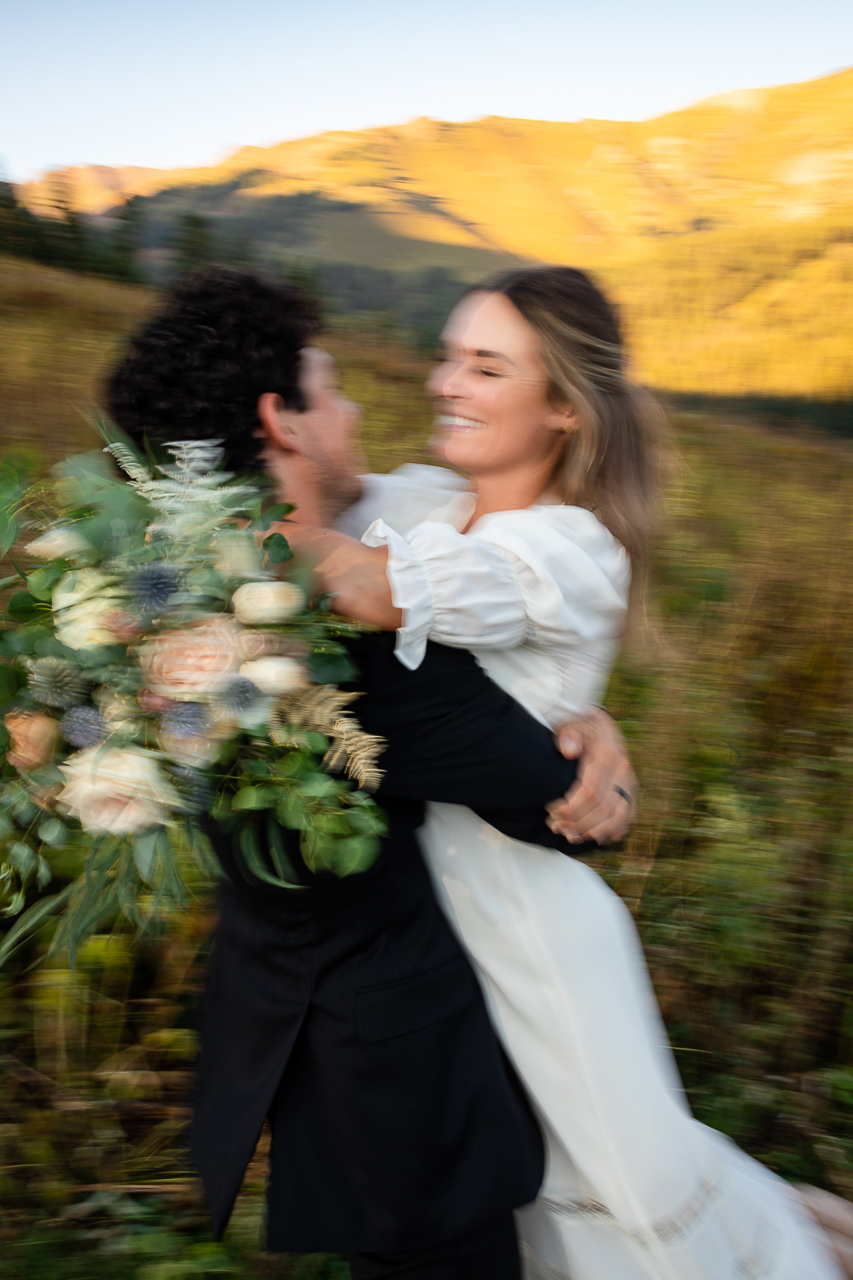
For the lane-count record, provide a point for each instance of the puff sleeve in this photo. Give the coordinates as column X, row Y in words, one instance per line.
column 551, row 576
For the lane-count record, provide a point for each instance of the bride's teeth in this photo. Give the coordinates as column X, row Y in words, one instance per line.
column 453, row 421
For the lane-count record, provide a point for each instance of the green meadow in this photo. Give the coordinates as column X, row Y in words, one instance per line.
column 735, row 694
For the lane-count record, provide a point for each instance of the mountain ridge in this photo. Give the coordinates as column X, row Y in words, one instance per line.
column 597, row 191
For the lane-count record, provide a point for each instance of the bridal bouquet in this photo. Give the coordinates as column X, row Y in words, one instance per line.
column 157, row 666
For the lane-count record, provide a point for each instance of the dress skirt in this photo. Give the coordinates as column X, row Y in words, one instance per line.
column 635, row 1187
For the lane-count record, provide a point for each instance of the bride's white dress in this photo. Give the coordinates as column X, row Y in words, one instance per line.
column 635, row 1188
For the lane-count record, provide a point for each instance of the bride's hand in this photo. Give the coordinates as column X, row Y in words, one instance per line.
column 602, row 803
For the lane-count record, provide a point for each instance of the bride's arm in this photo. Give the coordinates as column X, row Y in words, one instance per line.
column 433, row 584
column 354, row 573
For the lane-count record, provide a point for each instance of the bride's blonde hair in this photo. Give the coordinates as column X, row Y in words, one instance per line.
column 611, row 461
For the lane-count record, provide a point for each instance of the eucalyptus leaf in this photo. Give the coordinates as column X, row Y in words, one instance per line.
column 11, row 679
column 42, row 581
column 355, row 853
column 53, row 833
column 250, row 848
column 331, row 666
column 23, row 859
column 277, row 548
column 23, row 607
column 272, row 514
column 145, row 854
column 31, row 921
column 278, row 852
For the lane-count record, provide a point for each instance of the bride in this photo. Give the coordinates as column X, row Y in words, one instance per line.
column 529, row 567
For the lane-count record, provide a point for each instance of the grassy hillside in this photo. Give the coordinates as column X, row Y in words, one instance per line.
column 60, row 334
column 724, row 231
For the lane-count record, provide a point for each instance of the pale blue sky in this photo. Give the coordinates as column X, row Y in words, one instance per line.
column 176, row 82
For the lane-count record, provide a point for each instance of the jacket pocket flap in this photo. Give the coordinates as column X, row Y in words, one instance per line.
column 402, row 1007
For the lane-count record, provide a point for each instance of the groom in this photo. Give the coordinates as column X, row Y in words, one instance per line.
column 346, row 1012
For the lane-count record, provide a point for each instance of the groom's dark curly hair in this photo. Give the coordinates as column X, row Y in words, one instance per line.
column 220, row 340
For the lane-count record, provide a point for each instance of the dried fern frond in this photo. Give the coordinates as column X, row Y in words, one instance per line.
column 320, row 709
column 355, row 751
column 316, row 707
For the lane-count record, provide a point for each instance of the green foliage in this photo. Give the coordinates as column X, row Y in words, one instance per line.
column 193, row 243
column 739, row 706
column 65, row 239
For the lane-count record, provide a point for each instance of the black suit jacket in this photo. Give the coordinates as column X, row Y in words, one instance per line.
column 347, row 1010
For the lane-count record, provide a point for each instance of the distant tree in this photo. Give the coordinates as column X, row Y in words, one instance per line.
column 193, row 243
column 234, row 247
column 69, row 244
column 20, row 232
column 126, row 240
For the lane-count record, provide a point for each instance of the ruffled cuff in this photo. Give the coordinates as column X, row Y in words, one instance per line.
column 410, row 591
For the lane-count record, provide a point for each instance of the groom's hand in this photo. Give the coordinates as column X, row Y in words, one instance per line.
column 602, row 803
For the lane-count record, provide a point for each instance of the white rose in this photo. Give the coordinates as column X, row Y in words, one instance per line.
column 265, row 603
column 236, row 555
column 117, row 792
column 59, row 544
column 83, row 601
column 274, row 676
column 81, row 584
column 84, row 627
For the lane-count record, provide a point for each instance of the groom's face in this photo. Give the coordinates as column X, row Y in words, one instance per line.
column 329, row 428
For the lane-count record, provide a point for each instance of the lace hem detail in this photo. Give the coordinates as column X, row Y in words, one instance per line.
column 671, row 1231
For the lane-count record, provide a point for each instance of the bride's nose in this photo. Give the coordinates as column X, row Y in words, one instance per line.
column 443, row 382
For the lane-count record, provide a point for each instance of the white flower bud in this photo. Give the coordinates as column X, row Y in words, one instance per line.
column 266, row 603
column 274, row 676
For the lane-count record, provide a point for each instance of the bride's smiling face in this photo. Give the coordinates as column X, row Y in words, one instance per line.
column 491, row 391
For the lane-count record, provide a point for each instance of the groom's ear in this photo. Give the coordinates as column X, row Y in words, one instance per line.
column 280, row 426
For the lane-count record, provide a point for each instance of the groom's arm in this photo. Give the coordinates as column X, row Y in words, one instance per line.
column 452, row 735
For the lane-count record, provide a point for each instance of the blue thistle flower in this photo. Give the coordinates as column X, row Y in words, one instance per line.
column 152, row 585
column 56, row 683
column 239, row 696
column 84, row 727
column 186, row 720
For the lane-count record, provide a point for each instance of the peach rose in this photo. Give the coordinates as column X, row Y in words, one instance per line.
column 269, row 644
column 33, row 738
column 193, row 663
column 123, row 625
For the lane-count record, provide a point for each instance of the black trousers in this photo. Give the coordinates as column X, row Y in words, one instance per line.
column 489, row 1252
